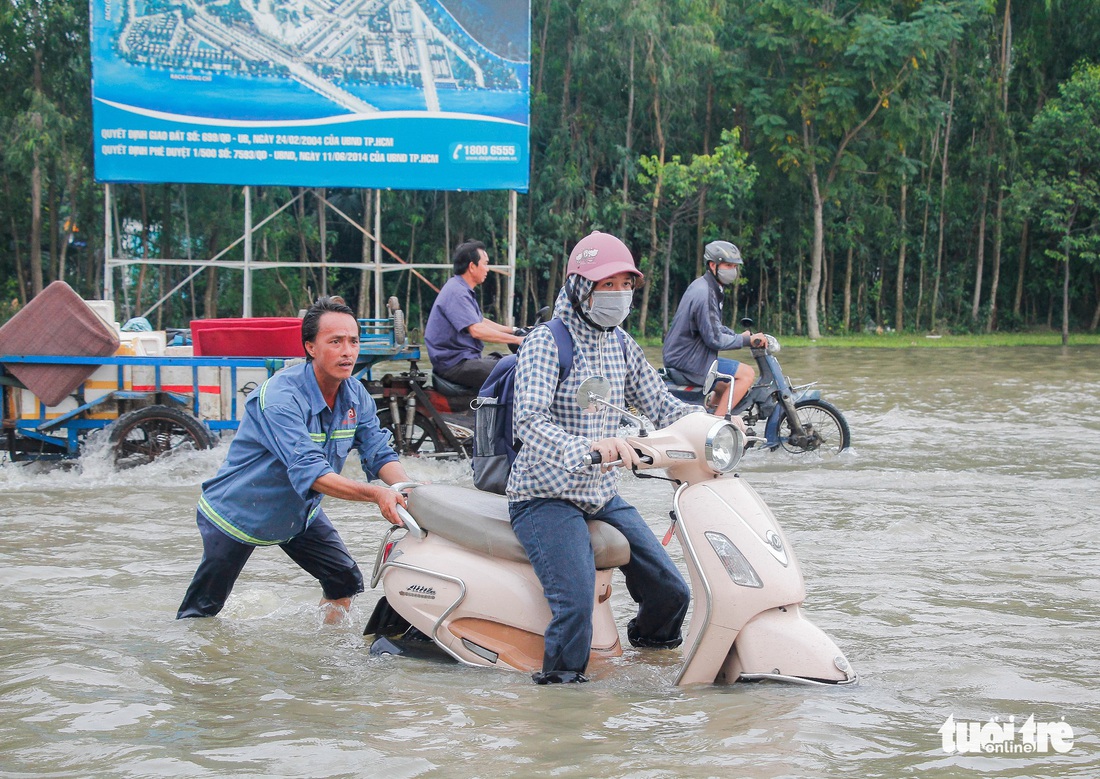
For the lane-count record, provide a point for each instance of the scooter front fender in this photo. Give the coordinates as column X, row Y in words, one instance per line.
column 771, row 429
column 728, row 511
column 782, row 645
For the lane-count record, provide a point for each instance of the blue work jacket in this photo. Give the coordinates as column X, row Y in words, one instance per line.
column 289, row 437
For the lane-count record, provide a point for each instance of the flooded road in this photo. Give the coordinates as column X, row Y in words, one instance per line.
column 953, row 554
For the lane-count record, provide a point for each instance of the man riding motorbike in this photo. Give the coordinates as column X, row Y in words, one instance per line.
column 697, row 333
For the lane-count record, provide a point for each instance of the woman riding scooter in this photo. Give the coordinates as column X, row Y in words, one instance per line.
column 551, row 492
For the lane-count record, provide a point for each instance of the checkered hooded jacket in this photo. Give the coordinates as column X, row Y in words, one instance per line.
column 547, row 420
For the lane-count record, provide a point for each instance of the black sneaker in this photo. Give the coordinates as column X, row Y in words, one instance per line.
column 558, row 677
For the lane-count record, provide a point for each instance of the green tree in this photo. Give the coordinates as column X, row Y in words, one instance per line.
column 1061, row 187
column 830, row 70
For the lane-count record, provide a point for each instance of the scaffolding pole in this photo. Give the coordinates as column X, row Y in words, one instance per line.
column 247, row 305
column 513, row 199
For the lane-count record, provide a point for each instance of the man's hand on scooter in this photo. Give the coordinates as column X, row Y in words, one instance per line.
column 757, row 340
column 388, row 500
column 616, row 451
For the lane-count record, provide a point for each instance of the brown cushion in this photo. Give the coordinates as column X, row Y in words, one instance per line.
column 56, row 322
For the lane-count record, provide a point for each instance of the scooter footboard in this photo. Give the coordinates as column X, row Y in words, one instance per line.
column 782, row 644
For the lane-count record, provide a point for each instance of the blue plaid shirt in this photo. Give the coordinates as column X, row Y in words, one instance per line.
column 555, row 433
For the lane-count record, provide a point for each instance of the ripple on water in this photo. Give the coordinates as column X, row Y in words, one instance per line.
column 952, row 556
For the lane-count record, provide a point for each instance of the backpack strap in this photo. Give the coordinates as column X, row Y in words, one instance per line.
column 564, row 342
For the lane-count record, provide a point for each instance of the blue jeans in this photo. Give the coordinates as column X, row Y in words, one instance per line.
column 555, row 536
column 318, row 549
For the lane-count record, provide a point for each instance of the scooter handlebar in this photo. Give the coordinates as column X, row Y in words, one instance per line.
column 595, row 458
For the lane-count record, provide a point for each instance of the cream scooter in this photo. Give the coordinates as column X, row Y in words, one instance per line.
column 456, row 575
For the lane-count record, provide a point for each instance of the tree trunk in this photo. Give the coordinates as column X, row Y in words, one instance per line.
column 860, row 287
column 628, row 144
column 998, row 214
column 818, row 250
column 35, row 258
column 52, row 226
column 210, row 296
column 899, row 292
column 1096, row 314
column 779, row 290
column 1065, row 298
column 700, row 221
column 798, row 301
column 19, row 275
column 976, row 305
column 656, row 201
column 848, row 290
column 924, row 233
column 665, row 278
column 165, row 252
column 1017, row 301
column 139, row 292
column 72, row 185
column 943, row 215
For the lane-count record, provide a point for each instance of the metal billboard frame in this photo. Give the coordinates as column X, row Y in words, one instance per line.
column 248, row 266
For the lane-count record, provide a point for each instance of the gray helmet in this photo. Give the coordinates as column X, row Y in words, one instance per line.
column 721, row 251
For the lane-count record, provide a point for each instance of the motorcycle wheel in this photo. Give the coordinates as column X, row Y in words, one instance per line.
column 425, row 439
column 829, row 428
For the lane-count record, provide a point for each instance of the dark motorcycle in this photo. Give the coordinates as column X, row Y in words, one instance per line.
column 429, row 415
column 795, row 418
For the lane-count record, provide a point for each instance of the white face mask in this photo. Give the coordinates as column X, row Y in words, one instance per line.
column 727, row 276
column 610, row 308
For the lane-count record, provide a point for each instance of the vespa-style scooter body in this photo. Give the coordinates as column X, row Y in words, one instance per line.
column 457, row 574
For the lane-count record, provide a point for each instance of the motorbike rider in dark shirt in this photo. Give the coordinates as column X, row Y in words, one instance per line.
column 697, row 333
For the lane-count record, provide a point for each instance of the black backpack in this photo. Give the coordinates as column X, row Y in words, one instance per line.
column 495, row 443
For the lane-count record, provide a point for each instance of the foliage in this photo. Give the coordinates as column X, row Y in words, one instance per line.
column 795, row 129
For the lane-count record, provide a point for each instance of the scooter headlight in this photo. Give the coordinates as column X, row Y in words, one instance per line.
column 739, row 569
column 725, row 445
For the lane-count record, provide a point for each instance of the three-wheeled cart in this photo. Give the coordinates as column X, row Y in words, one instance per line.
column 151, row 405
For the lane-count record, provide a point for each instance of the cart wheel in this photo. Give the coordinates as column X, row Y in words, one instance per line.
column 141, row 436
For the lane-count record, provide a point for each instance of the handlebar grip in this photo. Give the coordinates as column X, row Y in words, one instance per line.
column 595, row 458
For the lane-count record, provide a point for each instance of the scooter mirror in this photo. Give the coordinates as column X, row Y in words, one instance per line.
column 712, row 376
column 592, row 389
column 746, row 322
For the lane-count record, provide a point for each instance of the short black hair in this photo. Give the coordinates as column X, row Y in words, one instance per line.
column 465, row 254
column 311, row 322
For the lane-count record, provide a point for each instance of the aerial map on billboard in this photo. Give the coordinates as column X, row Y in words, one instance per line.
column 401, row 94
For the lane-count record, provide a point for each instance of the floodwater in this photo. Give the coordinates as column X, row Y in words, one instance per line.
column 953, row 554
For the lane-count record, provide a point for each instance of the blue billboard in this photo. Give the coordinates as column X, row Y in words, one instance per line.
column 387, row 94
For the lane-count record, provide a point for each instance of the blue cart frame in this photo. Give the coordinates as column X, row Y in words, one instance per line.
column 62, row 437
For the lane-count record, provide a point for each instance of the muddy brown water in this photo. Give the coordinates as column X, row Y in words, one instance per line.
column 953, row 553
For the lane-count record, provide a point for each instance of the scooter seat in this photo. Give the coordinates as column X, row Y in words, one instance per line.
column 479, row 522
